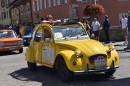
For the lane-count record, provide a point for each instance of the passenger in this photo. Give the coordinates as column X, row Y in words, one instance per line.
column 50, row 20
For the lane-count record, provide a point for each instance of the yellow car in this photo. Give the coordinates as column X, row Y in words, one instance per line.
column 68, row 50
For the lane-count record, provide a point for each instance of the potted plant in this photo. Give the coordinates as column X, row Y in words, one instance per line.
column 93, row 9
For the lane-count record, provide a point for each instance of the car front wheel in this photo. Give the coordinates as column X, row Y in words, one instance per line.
column 64, row 73
column 31, row 66
column 21, row 50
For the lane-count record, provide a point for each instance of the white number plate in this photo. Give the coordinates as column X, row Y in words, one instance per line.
column 11, row 48
column 100, row 63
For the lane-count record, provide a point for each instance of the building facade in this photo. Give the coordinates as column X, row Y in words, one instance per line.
column 72, row 9
column 114, row 9
column 4, row 13
column 20, row 12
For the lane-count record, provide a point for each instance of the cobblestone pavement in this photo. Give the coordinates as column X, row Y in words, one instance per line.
column 14, row 72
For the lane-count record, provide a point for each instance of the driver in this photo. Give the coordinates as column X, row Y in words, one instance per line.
column 47, row 35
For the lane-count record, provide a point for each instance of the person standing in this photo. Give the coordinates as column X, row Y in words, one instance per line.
column 22, row 30
column 106, row 26
column 88, row 28
column 124, row 22
column 95, row 28
column 128, row 33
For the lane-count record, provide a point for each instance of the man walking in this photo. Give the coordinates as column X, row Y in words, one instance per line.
column 96, row 27
column 106, row 26
column 128, row 34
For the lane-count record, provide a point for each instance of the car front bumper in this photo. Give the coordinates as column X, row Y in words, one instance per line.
column 11, row 48
column 90, row 71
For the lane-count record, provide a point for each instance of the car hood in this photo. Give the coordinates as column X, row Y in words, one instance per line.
column 86, row 46
column 9, row 39
column 27, row 35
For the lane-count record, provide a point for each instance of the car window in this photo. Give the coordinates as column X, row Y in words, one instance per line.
column 68, row 32
column 47, row 36
column 7, row 34
column 38, row 35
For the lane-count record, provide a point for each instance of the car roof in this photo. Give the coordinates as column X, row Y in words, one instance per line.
column 69, row 24
column 5, row 30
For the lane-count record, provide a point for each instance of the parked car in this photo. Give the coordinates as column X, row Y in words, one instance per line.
column 67, row 48
column 10, row 42
column 27, row 37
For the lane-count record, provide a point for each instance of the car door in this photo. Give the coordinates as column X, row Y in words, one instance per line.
column 37, row 44
column 48, row 48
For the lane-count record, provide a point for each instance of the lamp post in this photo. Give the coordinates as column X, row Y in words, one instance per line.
column 95, row 2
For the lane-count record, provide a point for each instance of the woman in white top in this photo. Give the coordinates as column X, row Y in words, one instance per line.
column 124, row 21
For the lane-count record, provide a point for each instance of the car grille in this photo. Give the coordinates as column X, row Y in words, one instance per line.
column 10, row 43
column 92, row 58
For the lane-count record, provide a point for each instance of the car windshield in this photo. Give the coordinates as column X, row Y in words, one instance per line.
column 29, row 32
column 68, row 32
column 7, row 34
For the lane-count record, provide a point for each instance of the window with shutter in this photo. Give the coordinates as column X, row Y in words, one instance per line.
column 52, row 3
column 28, row 8
column 21, row 9
column 43, row 4
column 60, row 2
column 35, row 5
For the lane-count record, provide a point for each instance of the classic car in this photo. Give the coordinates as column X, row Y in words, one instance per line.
column 10, row 42
column 67, row 48
column 27, row 37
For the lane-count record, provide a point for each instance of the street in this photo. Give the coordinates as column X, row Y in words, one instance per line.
column 14, row 72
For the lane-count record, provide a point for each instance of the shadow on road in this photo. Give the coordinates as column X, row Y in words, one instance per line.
column 43, row 75
column 8, row 53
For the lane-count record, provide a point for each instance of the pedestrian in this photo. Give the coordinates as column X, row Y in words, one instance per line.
column 11, row 27
column 128, row 33
column 106, row 28
column 50, row 20
column 124, row 22
column 86, row 26
column 17, row 29
column 22, row 30
column 95, row 28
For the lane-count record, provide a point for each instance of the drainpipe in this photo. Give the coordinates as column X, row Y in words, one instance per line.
column 10, row 15
column 31, row 11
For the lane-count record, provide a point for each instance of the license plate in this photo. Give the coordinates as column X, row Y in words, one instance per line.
column 12, row 48
column 100, row 63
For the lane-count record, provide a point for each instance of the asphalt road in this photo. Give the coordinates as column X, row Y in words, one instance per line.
column 14, row 72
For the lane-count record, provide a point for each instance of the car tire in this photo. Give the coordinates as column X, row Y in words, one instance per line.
column 64, row 73
column 110, row 73
column 21, row 50
column 31, row 66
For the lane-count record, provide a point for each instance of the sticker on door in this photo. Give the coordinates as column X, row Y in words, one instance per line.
column 48, row 54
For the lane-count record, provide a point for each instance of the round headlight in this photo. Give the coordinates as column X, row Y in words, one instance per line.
column 78, row 52
column 1, row 44
column 111, row 47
